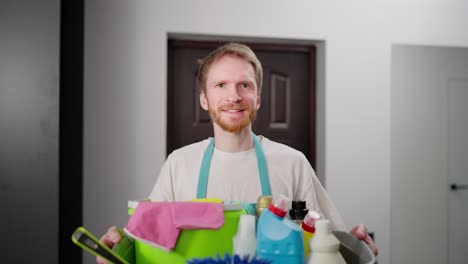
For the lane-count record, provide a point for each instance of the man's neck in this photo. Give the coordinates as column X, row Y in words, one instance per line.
column 233, row 142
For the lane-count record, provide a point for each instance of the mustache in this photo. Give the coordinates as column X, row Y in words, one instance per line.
column 235, row 106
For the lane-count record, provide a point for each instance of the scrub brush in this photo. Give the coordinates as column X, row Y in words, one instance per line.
column 125, row 248
column 228, row 259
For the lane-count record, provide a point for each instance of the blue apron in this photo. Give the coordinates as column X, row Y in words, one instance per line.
column 206, row 164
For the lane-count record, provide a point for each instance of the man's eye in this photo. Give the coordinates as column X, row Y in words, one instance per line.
column 220, row 85
column 245, row 85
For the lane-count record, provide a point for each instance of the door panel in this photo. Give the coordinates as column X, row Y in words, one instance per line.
column 284, row 113
column 287, row 112
column 458, row 169
column 190, row 122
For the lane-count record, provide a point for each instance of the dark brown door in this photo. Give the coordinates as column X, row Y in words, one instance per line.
column 287, row 111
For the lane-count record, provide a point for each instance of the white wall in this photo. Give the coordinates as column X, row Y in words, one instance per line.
column 125, row 89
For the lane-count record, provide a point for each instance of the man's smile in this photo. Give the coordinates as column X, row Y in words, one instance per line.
column 233, row 110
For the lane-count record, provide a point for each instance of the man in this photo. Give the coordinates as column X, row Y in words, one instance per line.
column 237, row 165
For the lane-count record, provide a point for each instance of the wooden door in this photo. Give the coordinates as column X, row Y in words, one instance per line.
column 287, row 112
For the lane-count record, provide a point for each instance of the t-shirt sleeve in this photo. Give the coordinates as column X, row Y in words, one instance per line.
column 163, row 188
column 317, row 198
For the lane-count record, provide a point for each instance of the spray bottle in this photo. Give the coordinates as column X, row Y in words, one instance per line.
column 279, row 239
column 244, row 241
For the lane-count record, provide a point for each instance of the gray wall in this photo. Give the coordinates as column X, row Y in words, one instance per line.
column 29, row 103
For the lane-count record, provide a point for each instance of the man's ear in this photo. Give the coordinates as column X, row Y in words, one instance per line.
column 203, row 101
column 259, row 101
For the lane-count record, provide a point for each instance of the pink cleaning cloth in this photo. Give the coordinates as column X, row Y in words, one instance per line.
column 159, row 223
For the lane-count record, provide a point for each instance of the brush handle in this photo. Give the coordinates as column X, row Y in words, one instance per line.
column 90, row 243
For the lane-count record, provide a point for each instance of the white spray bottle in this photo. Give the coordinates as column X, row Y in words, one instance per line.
column 244, row 242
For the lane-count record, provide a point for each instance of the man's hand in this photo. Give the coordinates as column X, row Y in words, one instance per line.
column 360, row 231
column 110, row 239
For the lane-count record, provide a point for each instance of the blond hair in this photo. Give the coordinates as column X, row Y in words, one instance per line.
column 240, row 50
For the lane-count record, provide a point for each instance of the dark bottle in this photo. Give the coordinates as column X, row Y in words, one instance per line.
column 298, row 211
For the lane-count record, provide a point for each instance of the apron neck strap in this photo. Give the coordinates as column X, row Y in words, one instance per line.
column 206, row 164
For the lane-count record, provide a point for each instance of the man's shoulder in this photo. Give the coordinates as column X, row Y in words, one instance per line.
column 277, row 149
column 191, row 149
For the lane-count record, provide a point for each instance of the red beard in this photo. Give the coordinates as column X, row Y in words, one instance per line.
column 233, row 126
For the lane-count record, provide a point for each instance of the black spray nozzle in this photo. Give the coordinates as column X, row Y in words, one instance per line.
column 298, row 210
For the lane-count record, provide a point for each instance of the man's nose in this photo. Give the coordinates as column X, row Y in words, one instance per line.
column 233, row 94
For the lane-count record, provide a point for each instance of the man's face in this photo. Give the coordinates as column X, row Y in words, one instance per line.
column 230, row 95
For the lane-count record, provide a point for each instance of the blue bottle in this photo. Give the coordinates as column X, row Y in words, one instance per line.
column 279, row 239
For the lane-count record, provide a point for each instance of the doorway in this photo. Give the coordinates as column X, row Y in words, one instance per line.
column 288, row 110
column 429, row 142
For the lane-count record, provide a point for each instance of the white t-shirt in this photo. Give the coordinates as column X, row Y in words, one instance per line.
column 235, row 177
